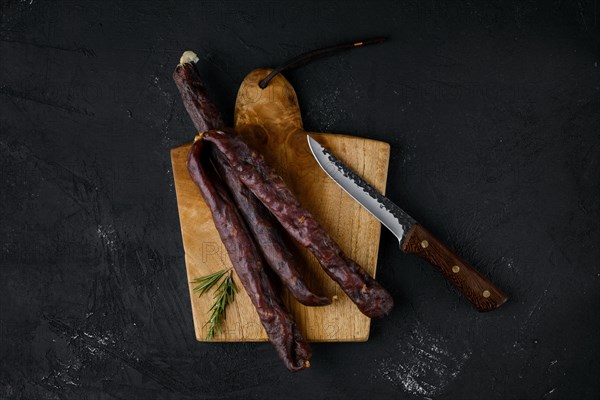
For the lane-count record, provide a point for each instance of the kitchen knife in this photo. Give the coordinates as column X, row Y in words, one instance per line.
column 415, row 239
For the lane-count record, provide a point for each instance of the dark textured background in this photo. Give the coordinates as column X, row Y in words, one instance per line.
column 492, row 111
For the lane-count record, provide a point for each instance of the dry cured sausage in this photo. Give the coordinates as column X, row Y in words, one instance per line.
column 248, row 263
column 268, row 235
column 251, row 168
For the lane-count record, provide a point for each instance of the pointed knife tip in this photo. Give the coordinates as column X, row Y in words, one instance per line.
column 312, row 143
column 314, row 147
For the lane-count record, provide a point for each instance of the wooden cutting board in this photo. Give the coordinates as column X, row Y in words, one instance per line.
column 271, row 123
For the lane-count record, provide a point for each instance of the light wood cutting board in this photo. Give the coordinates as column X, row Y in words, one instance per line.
column 271, row 123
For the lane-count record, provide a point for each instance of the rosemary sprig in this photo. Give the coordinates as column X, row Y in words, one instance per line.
column 207, row 282
column 223, row 296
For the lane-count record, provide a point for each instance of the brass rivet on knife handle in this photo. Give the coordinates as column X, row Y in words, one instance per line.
column 482, row 293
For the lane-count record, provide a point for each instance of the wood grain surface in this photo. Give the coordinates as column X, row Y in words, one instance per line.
column 271, row 123
column 480, row 291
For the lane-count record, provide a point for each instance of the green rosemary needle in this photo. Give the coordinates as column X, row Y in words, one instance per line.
column 207, row 282
column 223, row 296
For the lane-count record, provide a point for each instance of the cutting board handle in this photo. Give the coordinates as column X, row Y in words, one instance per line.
column 482, row 293
column 271, row 108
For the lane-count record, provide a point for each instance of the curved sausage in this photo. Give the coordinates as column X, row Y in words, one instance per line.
column 248, row 263
column 251, row 168
column 268, row 235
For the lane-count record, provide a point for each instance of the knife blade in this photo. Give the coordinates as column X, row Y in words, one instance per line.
column 413, row 237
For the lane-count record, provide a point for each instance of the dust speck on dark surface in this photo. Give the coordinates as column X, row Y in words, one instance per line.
column 491, row 109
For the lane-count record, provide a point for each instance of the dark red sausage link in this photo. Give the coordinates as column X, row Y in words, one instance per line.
column 248, row 263
column 250, row 167
column 202, row 111
column 267, row 233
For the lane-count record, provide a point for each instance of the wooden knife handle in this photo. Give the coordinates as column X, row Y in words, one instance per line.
column 482, row 293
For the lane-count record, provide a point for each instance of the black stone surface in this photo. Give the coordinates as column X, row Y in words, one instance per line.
column 492, row 111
